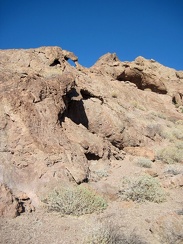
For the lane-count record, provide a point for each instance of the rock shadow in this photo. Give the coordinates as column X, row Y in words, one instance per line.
column 74, row 109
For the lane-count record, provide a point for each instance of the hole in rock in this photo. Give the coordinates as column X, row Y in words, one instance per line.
column 72, row 63
column 55, row 62
column 91, row 156
column 74, row 109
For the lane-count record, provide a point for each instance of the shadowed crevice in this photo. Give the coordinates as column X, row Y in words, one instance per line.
column 74, row 109
column 91, row 156
column 55, row 62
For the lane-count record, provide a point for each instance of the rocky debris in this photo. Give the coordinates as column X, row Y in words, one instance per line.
column 173, row 181
column 57, row 119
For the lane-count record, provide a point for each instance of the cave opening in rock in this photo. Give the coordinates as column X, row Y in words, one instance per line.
column 74, row 109
column 91, row 156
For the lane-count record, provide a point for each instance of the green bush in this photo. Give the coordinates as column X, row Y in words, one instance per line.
column 74, row 201
column 171, row 154
column 144, row 188
column 144, row 162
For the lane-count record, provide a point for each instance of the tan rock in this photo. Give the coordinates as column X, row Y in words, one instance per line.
column 9, row 206
column 173, row 181
column 140, row 151
column 69, row 55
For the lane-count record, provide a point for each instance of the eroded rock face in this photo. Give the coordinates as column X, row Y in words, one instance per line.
column 56, row 118
column 9, row 206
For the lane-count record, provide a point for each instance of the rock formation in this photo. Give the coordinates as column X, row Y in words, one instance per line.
column 56, row 119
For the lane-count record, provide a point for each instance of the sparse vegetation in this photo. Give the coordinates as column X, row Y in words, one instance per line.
column 180, row 212
column 172, row 238
column 74, row 201
column 171, row 235
column 159, row 115
column 171, row 154
column 103, row 233
column 172, row 132
column 172, row 170
column 144, row 188
column 101, row 173
column 144, row 162
column 179, row 122
column 136, row 105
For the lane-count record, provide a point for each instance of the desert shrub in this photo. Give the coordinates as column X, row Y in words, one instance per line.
column 153, row 129
column 178, row 132
column 172, row 132
column 110, row 234
column 143, row 188
column 167, row 134
column 101, row 173
column 171, row 154
column 172, row 238
column 74, row 201
column 174, row 170
column 144, row 162
column 179, row 122
column 180, row 212
column 179, row 144
column 159, row 115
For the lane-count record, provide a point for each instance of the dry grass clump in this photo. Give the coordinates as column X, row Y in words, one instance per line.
column 144, row 162
column 107, row 233
column 74, row 201
column 171, row 154
column 143, row 188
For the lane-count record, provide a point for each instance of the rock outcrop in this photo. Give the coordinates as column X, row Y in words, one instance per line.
column 56, row 118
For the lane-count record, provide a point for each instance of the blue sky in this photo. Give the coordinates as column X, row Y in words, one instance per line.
column 130, row 28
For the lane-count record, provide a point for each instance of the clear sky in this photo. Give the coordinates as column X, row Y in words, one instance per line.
column 130, row 28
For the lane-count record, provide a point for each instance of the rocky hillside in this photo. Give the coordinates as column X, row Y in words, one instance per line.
column 64, row 123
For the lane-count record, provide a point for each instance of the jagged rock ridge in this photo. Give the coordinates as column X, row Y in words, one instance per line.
column 56, row 119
